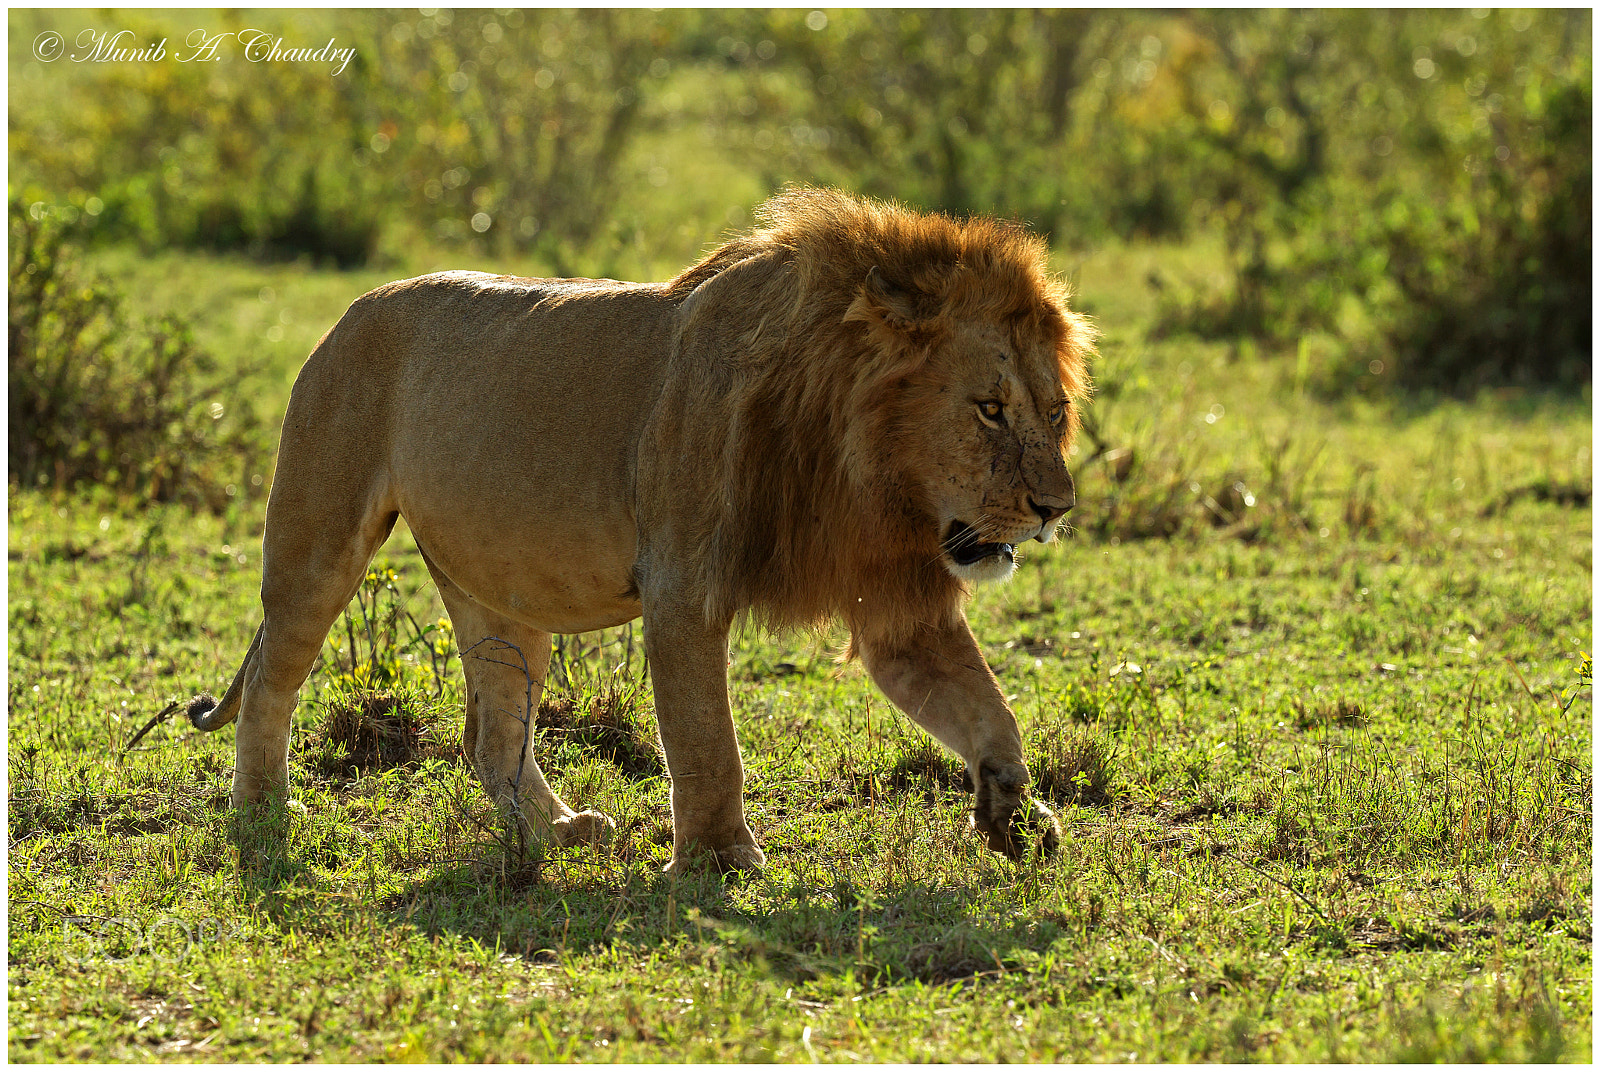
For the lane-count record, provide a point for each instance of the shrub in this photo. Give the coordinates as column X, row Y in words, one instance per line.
column 1436, row 212
column 1497, row 287
column 96, row 398
column 382, row 645
column 365, row 730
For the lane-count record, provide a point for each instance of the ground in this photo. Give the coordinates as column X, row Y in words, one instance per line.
column 1309, row 684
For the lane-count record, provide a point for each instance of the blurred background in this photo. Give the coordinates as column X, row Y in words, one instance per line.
column 1387, row 201
column 1430, row 169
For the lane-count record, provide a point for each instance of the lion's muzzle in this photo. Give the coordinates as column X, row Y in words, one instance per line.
column 962, row 544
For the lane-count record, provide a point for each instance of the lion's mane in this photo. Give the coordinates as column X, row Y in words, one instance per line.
column 819, row 509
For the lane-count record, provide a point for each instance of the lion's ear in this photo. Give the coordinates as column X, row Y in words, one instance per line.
column 897, row 307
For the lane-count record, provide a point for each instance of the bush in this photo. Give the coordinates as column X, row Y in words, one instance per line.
column 1497, row 288
column 98, row 399
column 1444, row 231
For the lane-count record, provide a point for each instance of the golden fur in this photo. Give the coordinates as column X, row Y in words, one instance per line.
column 851, row 411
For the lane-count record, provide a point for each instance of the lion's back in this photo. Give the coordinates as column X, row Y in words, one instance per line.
column 517, row 403
column 466, row 345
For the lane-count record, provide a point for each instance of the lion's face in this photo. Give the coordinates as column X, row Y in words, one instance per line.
column 996, row 430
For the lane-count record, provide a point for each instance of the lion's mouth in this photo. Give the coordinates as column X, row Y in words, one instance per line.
column 961, row 543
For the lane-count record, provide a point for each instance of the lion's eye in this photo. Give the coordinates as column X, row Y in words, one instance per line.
column 1058, row 412
column 992, row 412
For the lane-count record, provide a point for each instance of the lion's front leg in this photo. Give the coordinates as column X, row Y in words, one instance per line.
column 940, row 680
column 689, row 673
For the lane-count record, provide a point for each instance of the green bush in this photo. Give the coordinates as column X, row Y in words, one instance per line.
column 1496, row 286
column 96, row 398
column 1438, row 185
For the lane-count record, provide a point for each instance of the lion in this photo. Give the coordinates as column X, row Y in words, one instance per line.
column 852, row 412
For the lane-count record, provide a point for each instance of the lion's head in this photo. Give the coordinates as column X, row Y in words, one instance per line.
column 906, row 391
column 987, row 405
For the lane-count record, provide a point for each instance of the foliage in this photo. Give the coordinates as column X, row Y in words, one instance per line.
column 524, row 117
column 180, row 154
column 1432, row 171
column 378, row 643
column 1413, row 183
column 1496, row 287
column 960, row 110
column 98, row 397
column 448, row 127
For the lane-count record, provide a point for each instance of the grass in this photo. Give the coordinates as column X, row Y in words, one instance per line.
column 1323, row 767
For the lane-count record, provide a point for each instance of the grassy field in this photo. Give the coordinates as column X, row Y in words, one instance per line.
column 1310, row 686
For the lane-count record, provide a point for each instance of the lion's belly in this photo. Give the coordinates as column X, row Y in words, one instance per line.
column 514, row 439
column 528, row 564
column 540, row 530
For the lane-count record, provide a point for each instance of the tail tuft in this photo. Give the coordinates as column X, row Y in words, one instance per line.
column 199, row 708
column 206, row 712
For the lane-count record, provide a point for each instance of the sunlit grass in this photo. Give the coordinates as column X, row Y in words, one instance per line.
column 1325, row 795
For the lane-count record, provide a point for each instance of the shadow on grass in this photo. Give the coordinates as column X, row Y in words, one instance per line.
column 261, row 834
column 552, row 904
column 883, row 936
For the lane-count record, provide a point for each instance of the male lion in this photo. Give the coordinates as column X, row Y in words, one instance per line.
column 852, row 412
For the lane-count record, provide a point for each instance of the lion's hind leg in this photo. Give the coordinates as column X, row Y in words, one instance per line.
column 504, row 663
column 308, row 578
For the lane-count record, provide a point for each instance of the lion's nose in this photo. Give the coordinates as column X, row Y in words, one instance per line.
column 1048, row 514
column 1051, row 494
column 1055, row 505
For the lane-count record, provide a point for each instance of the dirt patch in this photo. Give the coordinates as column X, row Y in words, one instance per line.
column 1561, row 493
column 1380, row 935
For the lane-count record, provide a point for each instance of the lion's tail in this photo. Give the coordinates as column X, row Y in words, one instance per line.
column 208, row 713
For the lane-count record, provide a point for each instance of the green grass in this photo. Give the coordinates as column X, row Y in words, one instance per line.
column 1323, row 768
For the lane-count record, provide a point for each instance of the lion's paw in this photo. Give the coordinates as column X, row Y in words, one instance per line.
column 584, row 828
column 1036, row 824
column 1008, row 818
column 742, row 858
